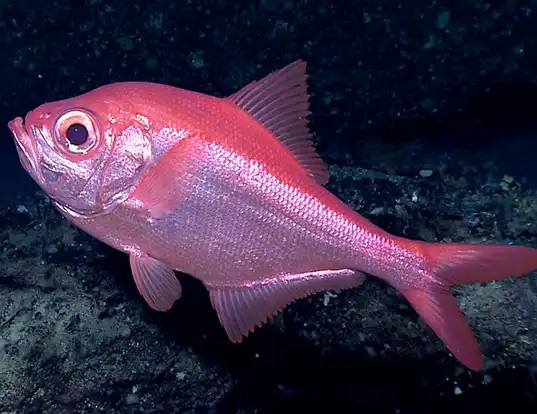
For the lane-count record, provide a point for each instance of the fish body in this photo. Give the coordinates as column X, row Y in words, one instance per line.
column 231, row 191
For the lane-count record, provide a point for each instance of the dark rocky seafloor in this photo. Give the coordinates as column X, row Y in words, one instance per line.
column 424, row 111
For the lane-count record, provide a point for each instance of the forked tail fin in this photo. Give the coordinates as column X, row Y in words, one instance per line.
column 459, row 264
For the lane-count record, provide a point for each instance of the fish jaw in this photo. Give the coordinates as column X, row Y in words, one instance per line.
column 26, row 150
column 31, row 143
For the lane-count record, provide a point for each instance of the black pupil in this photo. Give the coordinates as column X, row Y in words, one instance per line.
column 77, row 134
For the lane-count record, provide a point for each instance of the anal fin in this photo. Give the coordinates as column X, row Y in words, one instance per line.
column 240, row 310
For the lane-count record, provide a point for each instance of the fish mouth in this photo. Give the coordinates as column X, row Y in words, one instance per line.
column 26, row 148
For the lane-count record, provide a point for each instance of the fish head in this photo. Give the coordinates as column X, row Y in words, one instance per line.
column 87, row 153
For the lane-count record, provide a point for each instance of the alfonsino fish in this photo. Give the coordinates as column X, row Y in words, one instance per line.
column 230, row 190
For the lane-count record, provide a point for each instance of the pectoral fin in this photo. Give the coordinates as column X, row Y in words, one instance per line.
column 165, row 185
column 155, row 281
column 240, row 310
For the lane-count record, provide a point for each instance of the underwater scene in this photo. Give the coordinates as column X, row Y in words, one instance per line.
column 269, row 206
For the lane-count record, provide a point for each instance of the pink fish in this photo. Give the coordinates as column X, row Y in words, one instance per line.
column 230, row 190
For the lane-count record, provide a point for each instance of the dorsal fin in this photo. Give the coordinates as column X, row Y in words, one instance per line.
column 280, row 102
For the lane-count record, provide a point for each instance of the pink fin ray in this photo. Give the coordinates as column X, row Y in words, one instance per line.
column 456, row 264
column 440, row 311
column 240, row 310
column 157, row 189
column 479, row 263
column 280, row 102
column 155, row 193
column 155, row 281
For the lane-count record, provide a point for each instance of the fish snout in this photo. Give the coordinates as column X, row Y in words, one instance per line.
column 26, row 147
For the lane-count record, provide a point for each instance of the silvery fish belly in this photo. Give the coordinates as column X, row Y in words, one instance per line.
column 231, row 191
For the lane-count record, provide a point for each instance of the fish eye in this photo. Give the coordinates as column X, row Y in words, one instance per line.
column 76, row 131
column 77, row 134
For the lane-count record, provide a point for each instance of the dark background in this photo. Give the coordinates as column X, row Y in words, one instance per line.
column 396, row 86
column 458, row 73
